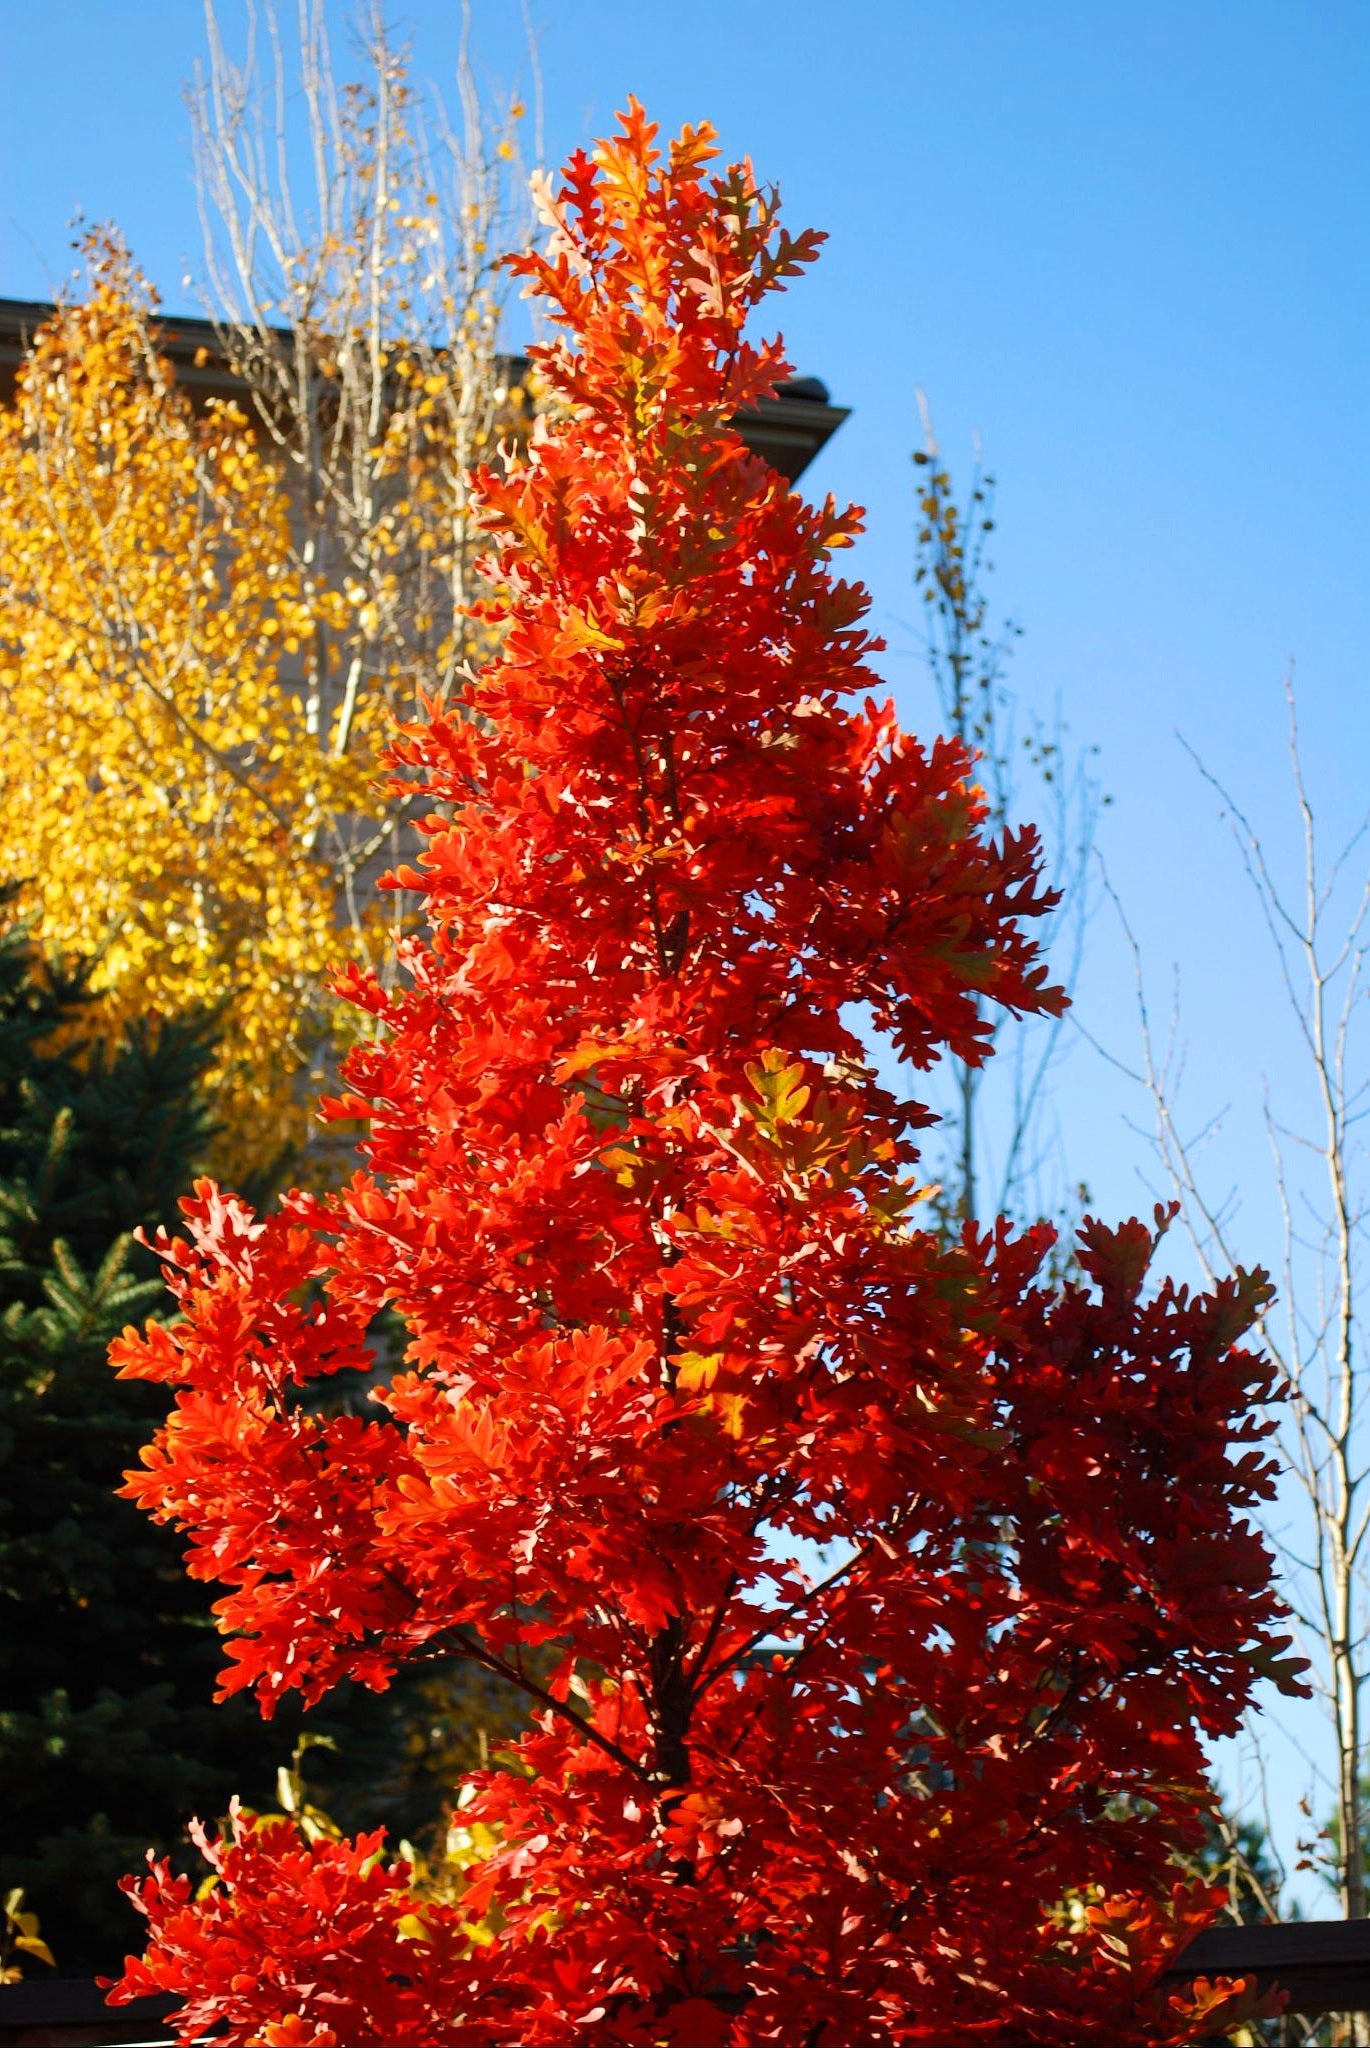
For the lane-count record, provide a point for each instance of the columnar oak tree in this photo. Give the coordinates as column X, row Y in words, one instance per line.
column 656, row 1237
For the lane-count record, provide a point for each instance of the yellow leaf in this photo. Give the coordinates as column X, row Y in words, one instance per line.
column 585, row 633
column 696, row 1370
column 728, row 1408
column 781, row 1089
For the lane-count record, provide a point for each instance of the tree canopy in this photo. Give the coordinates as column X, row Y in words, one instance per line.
column 674, row 1320
column 165, row 803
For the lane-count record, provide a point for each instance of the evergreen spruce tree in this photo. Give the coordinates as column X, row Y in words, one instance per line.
column 107, row 1662
column 109, row 1735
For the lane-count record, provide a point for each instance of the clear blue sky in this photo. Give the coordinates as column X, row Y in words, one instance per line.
column 1125, row 243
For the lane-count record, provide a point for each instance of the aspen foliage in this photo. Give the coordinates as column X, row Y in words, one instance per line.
column 164, row 806
column 211, row 615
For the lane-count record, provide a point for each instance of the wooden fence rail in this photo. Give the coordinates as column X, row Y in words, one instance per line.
column 70, row 2012
column 1323, row 1965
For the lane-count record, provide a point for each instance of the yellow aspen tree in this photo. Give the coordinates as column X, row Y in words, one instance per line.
column 208, row 619
column 165, row 806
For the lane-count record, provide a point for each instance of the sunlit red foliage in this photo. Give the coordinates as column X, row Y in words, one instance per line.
column 653, row 1229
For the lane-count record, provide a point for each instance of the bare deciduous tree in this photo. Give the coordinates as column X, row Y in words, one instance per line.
column 352, row 235
column 1005, row 1138
column 1316, row 923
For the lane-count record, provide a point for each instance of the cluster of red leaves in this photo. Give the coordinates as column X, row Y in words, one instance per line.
column 283, row 1925
column 652, row 1229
